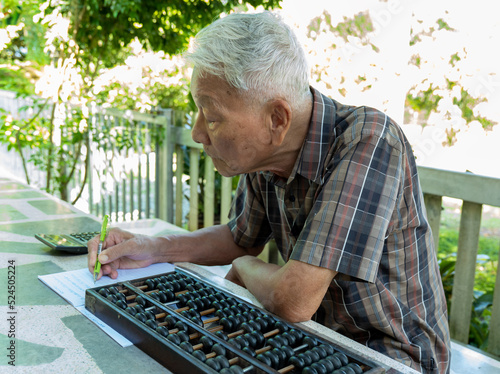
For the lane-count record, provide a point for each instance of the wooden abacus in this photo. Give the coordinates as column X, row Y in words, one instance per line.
column 191, row 326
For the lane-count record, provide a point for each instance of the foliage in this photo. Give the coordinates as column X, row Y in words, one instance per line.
column 64, row 51
column 449, row 98
column 487, row 263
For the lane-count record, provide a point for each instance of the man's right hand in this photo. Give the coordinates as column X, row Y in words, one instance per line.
column 122, row 250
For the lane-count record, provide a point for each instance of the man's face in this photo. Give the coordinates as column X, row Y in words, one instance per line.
column 234, row 133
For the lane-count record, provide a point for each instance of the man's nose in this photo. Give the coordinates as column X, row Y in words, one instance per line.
column 199, row 132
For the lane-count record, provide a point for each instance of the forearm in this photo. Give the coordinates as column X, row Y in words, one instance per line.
column 293, row 291
column 208, row 246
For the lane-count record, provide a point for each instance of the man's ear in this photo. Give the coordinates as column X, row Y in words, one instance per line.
column 281, row 120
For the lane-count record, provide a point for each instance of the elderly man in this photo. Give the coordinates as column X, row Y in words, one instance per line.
column 335, row 186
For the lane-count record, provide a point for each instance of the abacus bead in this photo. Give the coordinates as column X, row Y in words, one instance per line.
column 335, row 361
column 141, row 317
column 196, row 321
column 297, row 361
column 309, row 370
column 221, row 335
column 344, row 370
column 289, row 352
column 223, row 362
column 170, row 295
column 139, row 308
column 155, row 296
column 311, row 342
column 313, row 355
column 327, row 364
column 121, row 296
column 342, row 357
column 192, row 304
column 328, row 349
column 219, row 349
column 149, row 314
column 183, row 299
column 113, row 290
column 307, row 359
column 357, row 369
column 180, row 325
column 182, row 283
column 174, row 338
column 274, row 359
column 251, row 339
column 164, row 279
column 282, row 357
column 320, row 351
column 162, row 297
column 111, row 297
column 200, row 355
column 150, row 284
column 235, row 343
column 206, row 341
column 320, row 368
column 281, row 326
column 263, row 358
column 122, row 304
column 243, row 341
column 227, row 324
column 170, row 320
column 140, row 300
column 262, row 322
column 151, row 323
column 183, row 335
column 274, row 342
column 289, row 337
column 131, row 310
column 296, row 333
column 213, row 363
column 162, row 330
column 104, row 292
column 186, row 346
column 259, row 337
column 249, row 351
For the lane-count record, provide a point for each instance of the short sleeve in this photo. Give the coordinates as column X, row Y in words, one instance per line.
column 346, row 229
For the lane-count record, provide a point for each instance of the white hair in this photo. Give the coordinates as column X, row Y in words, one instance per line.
column 258, row 54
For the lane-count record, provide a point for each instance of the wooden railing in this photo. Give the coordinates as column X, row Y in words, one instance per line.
column 152, row 182
column 475, row 191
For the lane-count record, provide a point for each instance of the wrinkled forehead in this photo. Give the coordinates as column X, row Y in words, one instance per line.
column 210, row 90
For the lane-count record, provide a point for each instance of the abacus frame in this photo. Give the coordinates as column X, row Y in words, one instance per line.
column 169, row 354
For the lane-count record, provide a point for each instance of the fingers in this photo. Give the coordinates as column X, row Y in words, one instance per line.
column 114, row 239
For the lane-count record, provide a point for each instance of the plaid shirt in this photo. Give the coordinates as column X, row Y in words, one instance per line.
column 353, row 204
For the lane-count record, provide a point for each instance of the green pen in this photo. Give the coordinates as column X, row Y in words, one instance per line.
column 104, row 229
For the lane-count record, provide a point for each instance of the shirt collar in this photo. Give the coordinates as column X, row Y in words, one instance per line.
column 310, row 161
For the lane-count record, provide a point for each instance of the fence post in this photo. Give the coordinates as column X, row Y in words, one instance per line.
column 209, row 194
column 433, row 208
column 463, row 284
column 194, row 172
column 165, row 173
column 494, row 338
column 226, row 196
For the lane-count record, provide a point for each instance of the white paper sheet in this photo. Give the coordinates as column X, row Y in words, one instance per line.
column 71, row 286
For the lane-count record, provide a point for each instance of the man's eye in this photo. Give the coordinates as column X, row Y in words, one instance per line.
column 211, row 124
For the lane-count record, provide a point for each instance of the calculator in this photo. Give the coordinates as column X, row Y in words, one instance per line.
column 72, row 243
